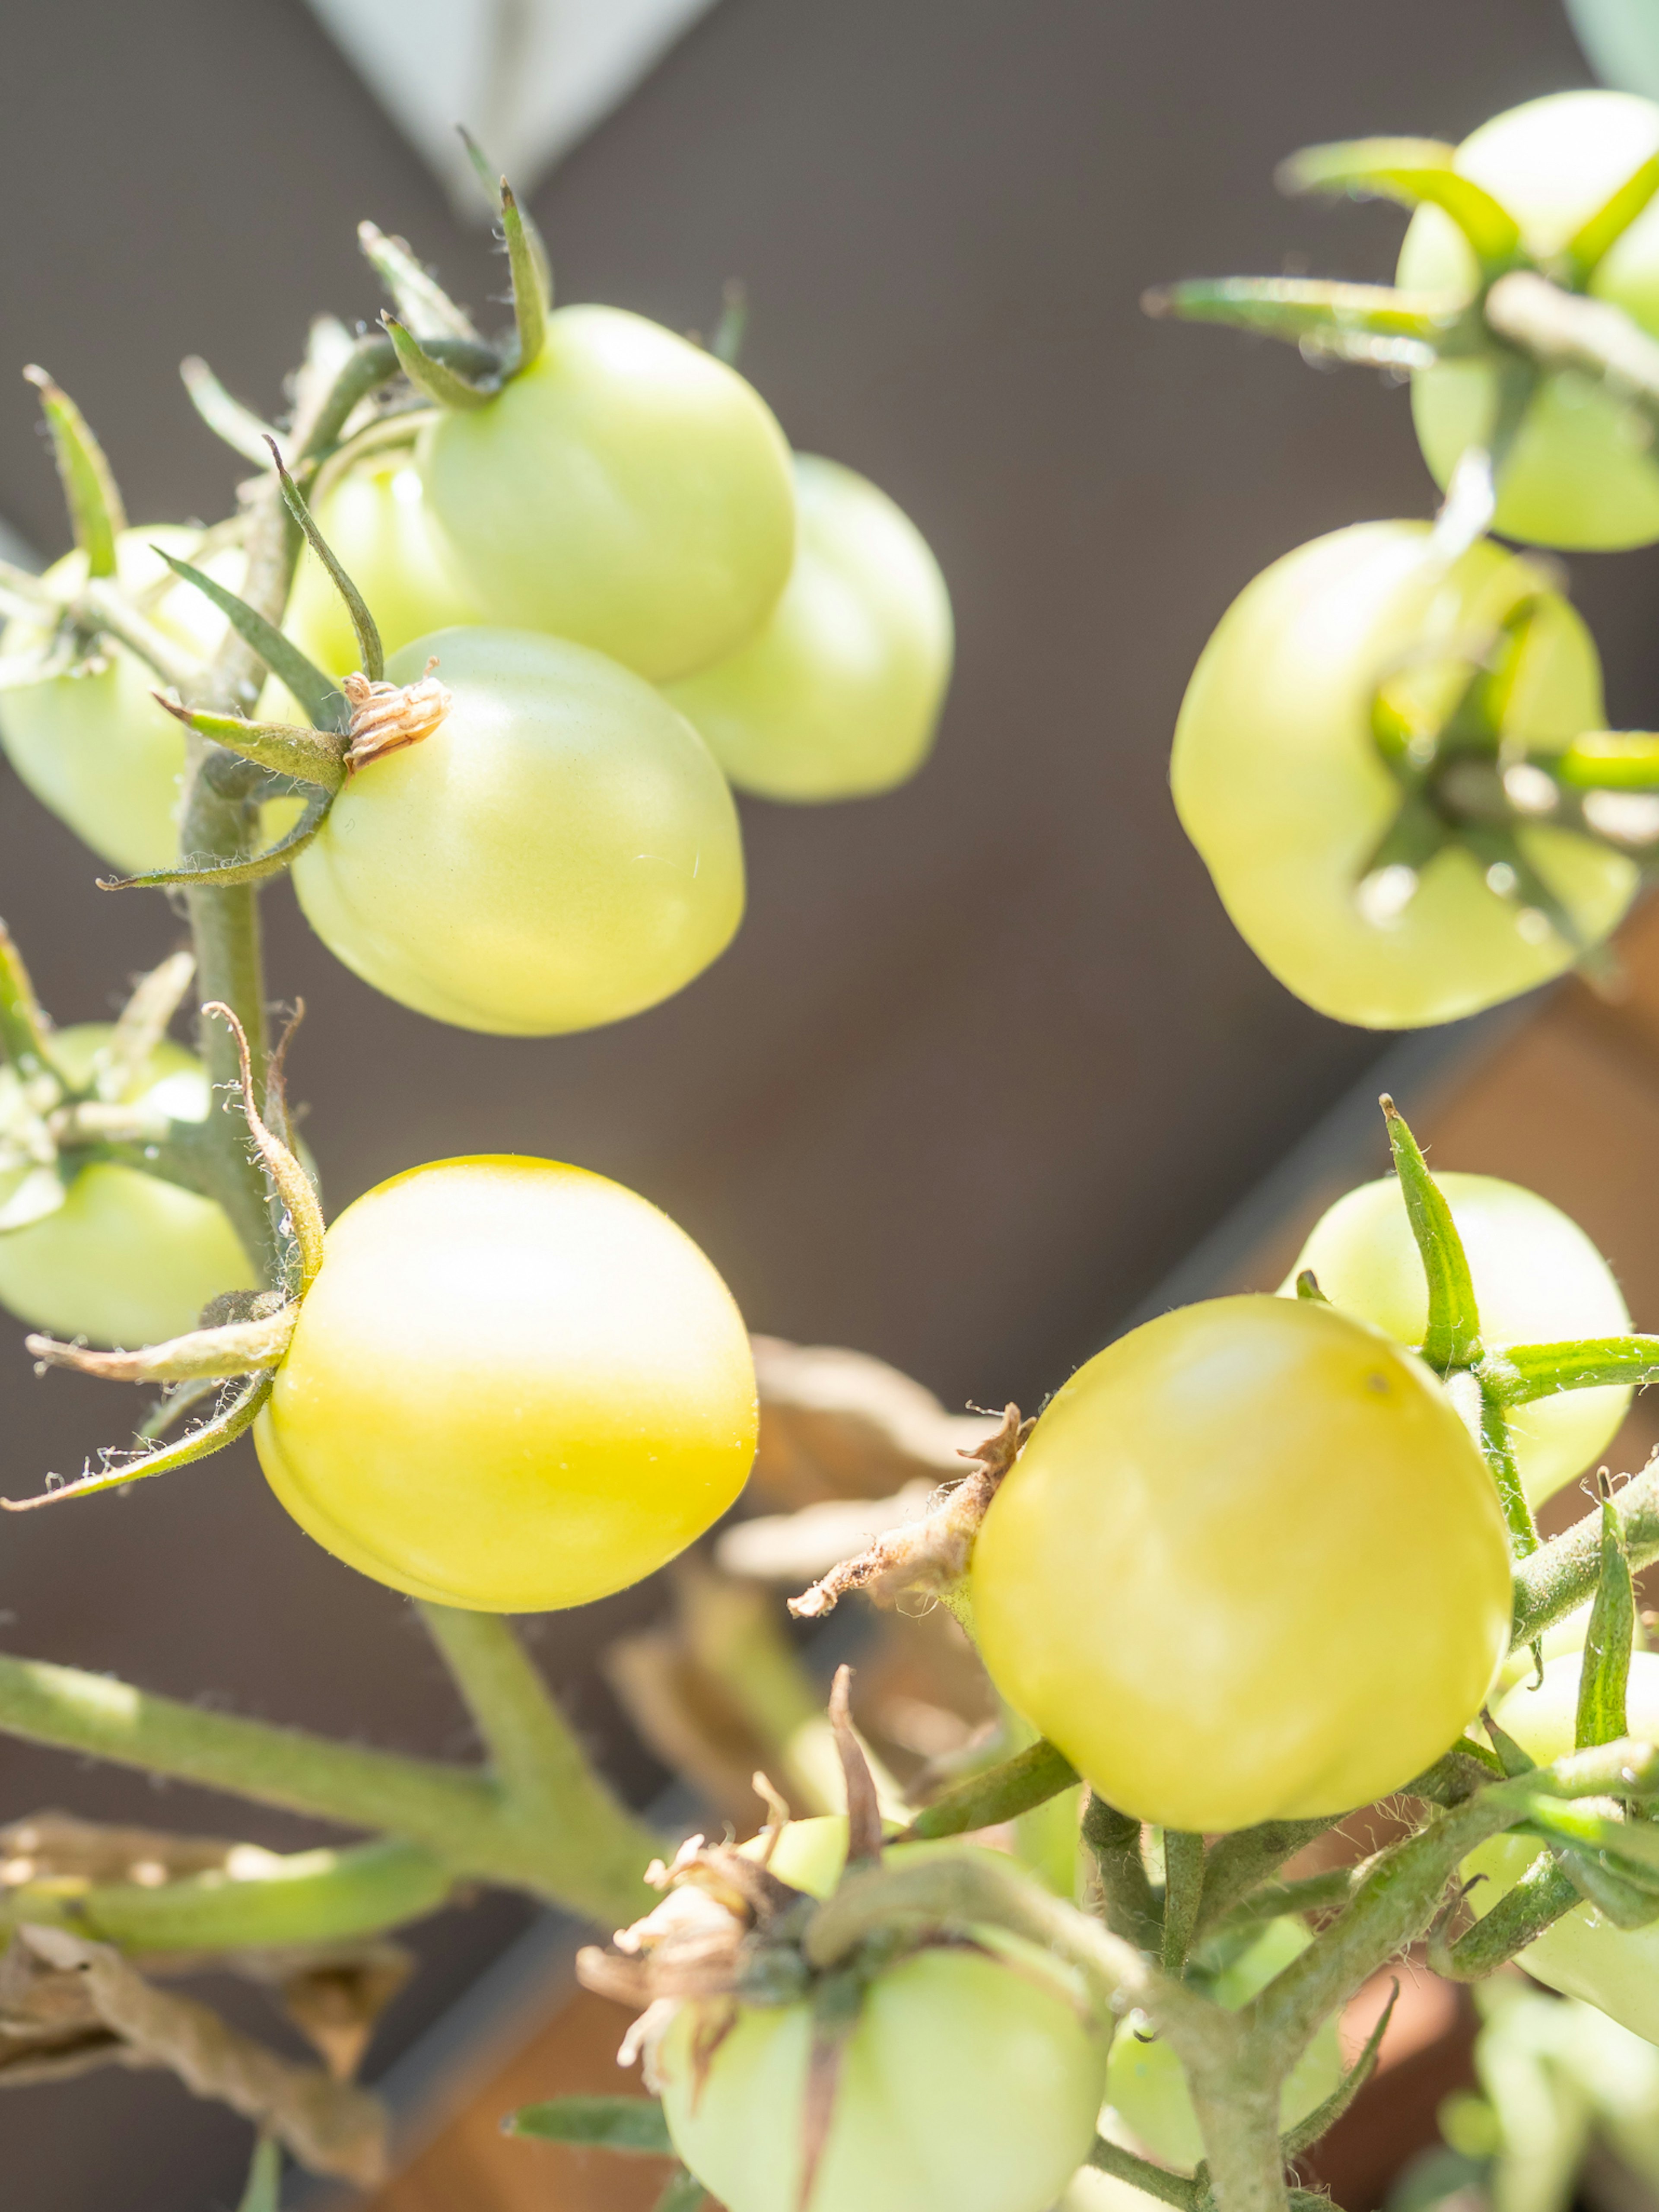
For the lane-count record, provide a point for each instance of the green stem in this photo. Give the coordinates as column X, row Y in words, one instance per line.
column 1564, row 330
column 1132, row 1910
column 1241, row 1860
column 1183, row 1887
column 1238, row 2119
column 1018, row 1786
column 1561, row 1574
column 1140, row 2173
column 1540, row 1896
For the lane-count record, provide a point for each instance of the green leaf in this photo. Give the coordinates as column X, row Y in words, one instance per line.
column 94, row 504
column 240, row 429
column 308, row 755
column 431, row 377
column 1582, row 253
column 1030, row 1779
column 1453, row 1336
column 632, row 2124
column 1366, row 323
column 1523, row 1372
column 362, row 623
column 423, row 302
column 1605, row 1675
column 219, row 875
column 1418, row 172
column 264, row 2180
column 320, row 695
column 529, row 301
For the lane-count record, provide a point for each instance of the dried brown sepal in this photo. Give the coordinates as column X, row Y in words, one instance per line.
column 777, row 1814
column 335, row 2004
column 929, row 1555
column 863, row 1809
column 386, row 717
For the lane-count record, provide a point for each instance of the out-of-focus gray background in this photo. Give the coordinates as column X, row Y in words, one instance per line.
column 987, row 1059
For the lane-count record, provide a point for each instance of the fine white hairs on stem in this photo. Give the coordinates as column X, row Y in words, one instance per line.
column 294, row 1185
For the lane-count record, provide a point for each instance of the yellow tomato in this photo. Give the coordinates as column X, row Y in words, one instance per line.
column 1250, row 1566
column 513, row 1386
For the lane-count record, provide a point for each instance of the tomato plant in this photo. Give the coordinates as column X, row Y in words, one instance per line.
column 562, row 852
column 513, row 1386
column 627, row 491
column 1539, row 1281
column 839, row 692
column 128, row 1257
column 1282, row 783
column 1243, row 1490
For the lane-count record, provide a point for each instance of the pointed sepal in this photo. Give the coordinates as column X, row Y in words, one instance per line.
column 309, row 756
column 94, row 503
column 239, row 427
column 1362, row 323
column 1604, row 1673
column 1599, row 234
column 1452, row 1338
column 226, row 1425
column 221, row 875
column 363, row 625
column 320, row 695
column 433, row 378
column 1416, row 172
column 24, row 1029
column 530, row 299
column 425, row 306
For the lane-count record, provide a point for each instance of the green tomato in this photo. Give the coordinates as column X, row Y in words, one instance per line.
column 1581, row 472
column 127, row 1259
column 95, row 748
column 561, row 852
column 1147, row 2089
column 1567, row 1636
column 970, row 2082
column 1582, row 1954
column 629, row 491
column 1538, row 1280
column 839, row 694
column 1280, row 784
column 513, row 1386
column 1249, row 1567
column 1621, row 37
column 375, row 521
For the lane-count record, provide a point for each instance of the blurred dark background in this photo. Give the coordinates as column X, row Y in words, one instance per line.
column 987, row 1059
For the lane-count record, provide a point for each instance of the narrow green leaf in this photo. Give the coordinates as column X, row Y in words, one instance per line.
column 431, row 377
column 1453, row 1336
column 94, row 504
column 1604, row 1673
column 530, row 302
column 423, row 302
column 240, row 429
column 1417, row 172
column 632, row 2124
column 489, row 175
column 727, row 344
column 24, row 1029
column 1498, row 1449
column 1583, row 252
column 1325, row 2116
column 226, row 1425
column 1522, row 1372
column 1367, row 323
column 1030, row 1779
column 362, row 623
column 264, row 2180
column 320, row 695
column 1608, row 760
column 219, row 875
column 309, row 756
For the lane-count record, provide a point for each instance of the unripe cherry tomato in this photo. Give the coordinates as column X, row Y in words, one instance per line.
column 561, row 852
column 375, row 521
column 971, row 2082
column 1582, row 1954
column 1250, row 1566
column 513, row 1386
column 1538, row 1280
column 1581, row 472
column 839, row 693
column 127, row 1259
column 629, row 491
column 96, row 749
column 1280, row 784
column 1144, row 2083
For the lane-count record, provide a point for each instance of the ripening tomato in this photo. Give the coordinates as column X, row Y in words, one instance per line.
column 95, row 748
column 513, row 1386
column 970, row 2082
column 1250, row 1566
column 1582, row 1954
column 1538, row 1280
column 1581, row 472
column 839, row 694
column 1144, row 2083
column 127, row 1259
column 561, row 852
column 375, row 522
column 1279, row 783
column 629, row 491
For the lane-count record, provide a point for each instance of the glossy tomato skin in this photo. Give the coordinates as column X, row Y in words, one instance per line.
column 971, row 2083
column 1538, row 1280
column 561, row 852
column 1278, row 782
column 376, row 522
column 1582, row 471
column 127, row 1259
column 96, row 749
column 513, row 1386
column 629, row 491
column 1250, row 1566
column 1582, row 1954
column 1147, row 2089
column 838, row 694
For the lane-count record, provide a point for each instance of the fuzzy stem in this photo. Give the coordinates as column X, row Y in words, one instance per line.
column 1562, row 330
column 1239, row 1861
column 1238, row 2119
column 1140, row 2173
column 1564, row 1572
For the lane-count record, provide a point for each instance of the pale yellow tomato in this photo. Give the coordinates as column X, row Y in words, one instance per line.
column 375, row 522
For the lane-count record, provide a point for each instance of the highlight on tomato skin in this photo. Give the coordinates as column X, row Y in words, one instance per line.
column 1280, row 782
column 514, row 1386
column 375, row 520
column 1249, row 1567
